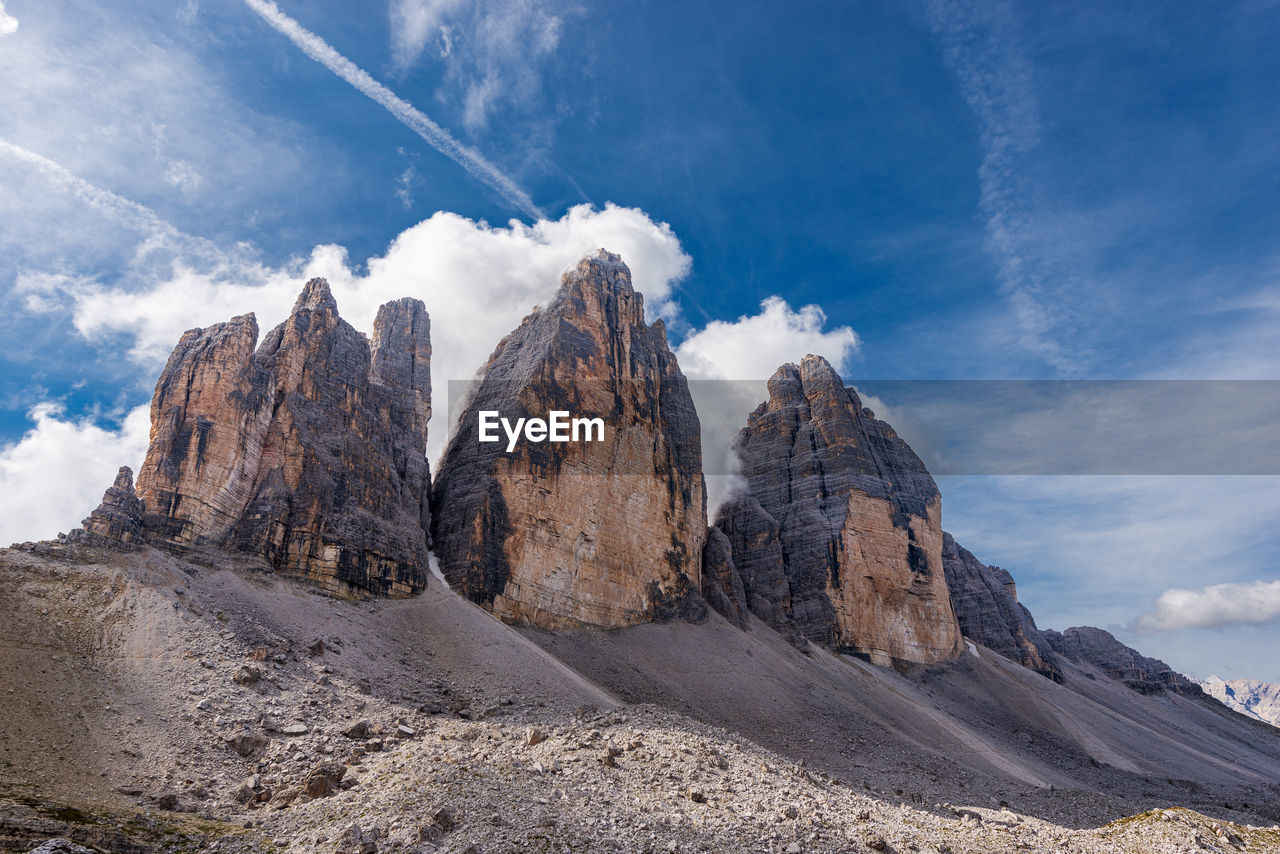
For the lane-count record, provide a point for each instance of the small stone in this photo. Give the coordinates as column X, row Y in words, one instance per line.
column 533, row 736
column 324, row 779
column 247, row 675
column 442, row 819
column 204, row 704
column 294, row 728
column 793, row 848
column 359, row 729
column 246, row 743
column 405, row 731
column 875, row 842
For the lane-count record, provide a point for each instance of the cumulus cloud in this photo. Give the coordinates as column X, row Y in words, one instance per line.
column 728, row 364
column 8, row 23
column 753, row 346
column 55, row 474
column 478, row 282
column 1214, row 607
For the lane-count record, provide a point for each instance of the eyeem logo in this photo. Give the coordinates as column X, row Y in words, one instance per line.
column 556, row 427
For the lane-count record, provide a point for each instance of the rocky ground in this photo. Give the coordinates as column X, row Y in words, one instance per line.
column 151, row 704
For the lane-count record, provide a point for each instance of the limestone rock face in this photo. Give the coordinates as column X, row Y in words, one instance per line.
column 118, row 518
column 756, row 550
column 721, row 584
column 1089, row 645
column 840, row 525
column 985, row 601
column 307, row 451
column 579, row 533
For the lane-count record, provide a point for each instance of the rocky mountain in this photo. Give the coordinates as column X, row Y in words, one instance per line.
column 838, row 532
column 607, row 532
column 1251, row 697
column 1101, row 649
column 985, row 601
column 308, row 451
column 164, row 694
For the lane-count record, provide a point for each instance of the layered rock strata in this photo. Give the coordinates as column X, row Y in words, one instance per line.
column 118, row 519
column 985, row 601
column 606, row 532
column 308, row 451
column 1100, row 648
column 839, row 529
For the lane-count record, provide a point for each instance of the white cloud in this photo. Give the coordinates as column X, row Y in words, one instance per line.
column 983, row 49
column 1216, row 606
column 415, row 23
column 404, row 186
column 112, row 104
column 55, row 474
column 477, row 281
column 493, row 53
column 754, row 346
column 183, row 176
column 729, row 363
column 410, row 116
column 8, row 23
column 130, row 214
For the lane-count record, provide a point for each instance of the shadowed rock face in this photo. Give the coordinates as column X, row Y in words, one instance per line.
column 721, row 584
column 1089, row 645
column 118, row 519
column 308, row 451
column 839, row 531
column 985, row 601
column 600, row 533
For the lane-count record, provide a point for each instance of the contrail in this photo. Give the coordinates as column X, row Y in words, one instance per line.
column 409, row 115
column 983, row 51
column 126, row 212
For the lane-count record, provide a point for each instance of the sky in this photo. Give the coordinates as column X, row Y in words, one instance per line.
column 929, row 190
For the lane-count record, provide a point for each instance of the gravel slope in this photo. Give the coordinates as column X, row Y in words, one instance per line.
column 150, row 704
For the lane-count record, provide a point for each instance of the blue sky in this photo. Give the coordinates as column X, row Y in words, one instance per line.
column 967, row 190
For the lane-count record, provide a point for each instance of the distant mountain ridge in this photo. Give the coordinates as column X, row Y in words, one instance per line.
column 1251, row 697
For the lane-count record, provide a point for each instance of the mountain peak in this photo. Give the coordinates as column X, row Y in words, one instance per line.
column 315, row 296
column 581, row 533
